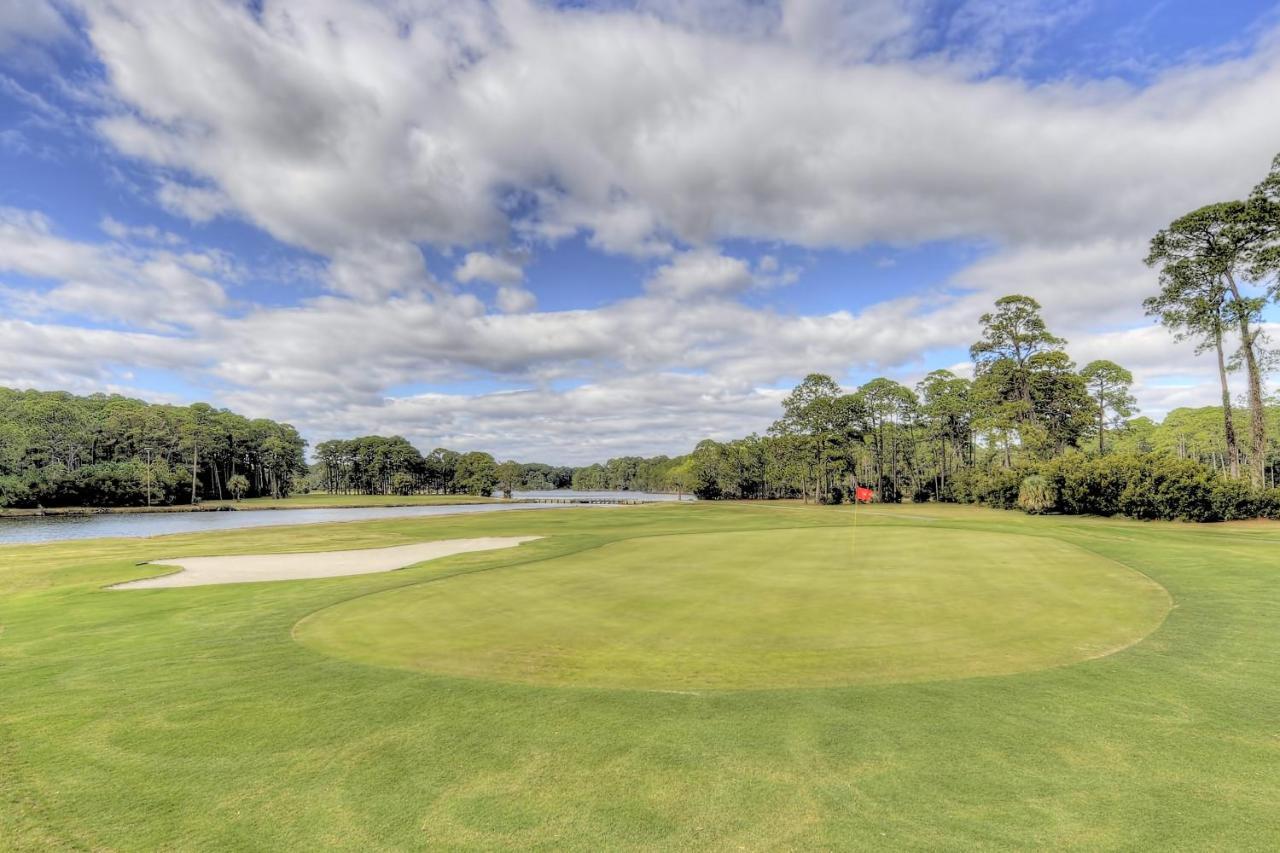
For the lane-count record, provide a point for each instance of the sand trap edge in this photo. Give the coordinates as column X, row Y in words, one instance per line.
column 261, row 568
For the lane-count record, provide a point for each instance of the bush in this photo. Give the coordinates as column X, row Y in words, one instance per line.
column 1037, row 494
column 1163, row 487
column 14, row 493
column 238, row 485
column 1146, row 486
column 1234, row 499
column 994, row 487
column 1269, row 504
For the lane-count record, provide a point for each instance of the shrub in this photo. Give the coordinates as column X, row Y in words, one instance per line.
column 1234, row 499
column 1146, row 486
column 1171, row 488
column 14, row 493
column 237, row 484
column 994, row 487
column 1037, row 494
column 1269, row 504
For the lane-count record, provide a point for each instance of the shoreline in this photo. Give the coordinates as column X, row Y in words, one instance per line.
column 82, row 511
column 290, row 504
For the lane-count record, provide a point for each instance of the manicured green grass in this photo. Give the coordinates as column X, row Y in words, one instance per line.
column 324, row 499
column 192, row 718
column 760, row 609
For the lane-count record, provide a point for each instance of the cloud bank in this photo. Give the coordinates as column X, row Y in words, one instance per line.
column 693, row 139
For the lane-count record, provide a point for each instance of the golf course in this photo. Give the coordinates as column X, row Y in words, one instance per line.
column 719, row 675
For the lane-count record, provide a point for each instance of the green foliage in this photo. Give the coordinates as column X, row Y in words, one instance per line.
column 996, row 487
column 403, row 483
column 1036, row 495
column 509, row 477
column 1014, row 332
column 238, row 485
column 1213, row 264
column 477, row 474
column 1108, row 384
column 57, row 449
column 379, row 465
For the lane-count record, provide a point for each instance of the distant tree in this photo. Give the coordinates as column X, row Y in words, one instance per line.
column 681, row 479
column 402, row 483
column 1264, row 258
column 442, row 470
column 888, row 409
column 812, row 412
column 57, row 449
column 1014, row 333
column 477, row 474
column 590, row 478
column 1109, row 385
column 238, row 485
column 1191, row 302
column 510, row 475
column 1222, row 241
column 947, row 407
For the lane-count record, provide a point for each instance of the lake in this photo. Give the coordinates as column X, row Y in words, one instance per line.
column 654, row 497
column 59, row 528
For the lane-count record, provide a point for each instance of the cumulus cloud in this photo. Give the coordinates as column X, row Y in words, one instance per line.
column 515, row 300
column 481, row 266
column 701, row 272
column 421, row 126
column 155, row 288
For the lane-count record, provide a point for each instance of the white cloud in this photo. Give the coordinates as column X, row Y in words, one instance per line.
column 378, row 268
column 198, row 204
column 515, row 300
column 23, row 22
column 675, row 133
column 327, row 133
column 701, row 272
column 151, row 288
column 481, row 266
column 148, row 233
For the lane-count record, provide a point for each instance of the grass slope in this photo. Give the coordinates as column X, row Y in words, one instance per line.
column 191, row 717
column 760, row 609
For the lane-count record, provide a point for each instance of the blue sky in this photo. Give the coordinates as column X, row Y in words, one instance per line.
column 571, row 231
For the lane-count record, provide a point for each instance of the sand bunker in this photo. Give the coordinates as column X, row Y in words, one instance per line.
column 250, row 568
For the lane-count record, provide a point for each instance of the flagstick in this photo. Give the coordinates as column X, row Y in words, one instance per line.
column 853, row 540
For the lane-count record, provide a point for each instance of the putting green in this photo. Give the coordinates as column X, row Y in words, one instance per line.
column 754, row 610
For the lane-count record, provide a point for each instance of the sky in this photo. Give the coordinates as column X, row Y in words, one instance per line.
column 570, row 231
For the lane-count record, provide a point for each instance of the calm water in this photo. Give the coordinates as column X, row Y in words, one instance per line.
column 56, row 528
column 605, row 495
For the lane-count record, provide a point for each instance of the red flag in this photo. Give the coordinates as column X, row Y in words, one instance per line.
column 863, row 495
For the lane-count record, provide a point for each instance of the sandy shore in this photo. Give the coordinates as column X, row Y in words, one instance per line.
column 250, row 568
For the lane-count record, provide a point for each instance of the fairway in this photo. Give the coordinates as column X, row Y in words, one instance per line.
column 752, row 610
column 711, row 676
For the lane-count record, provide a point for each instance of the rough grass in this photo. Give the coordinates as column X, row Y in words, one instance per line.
column 190, row 718
column 759, row 609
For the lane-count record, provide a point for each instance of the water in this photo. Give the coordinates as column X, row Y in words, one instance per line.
column 601, row 495
column 59, row 528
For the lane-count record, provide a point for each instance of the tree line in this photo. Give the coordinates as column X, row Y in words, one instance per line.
column 382, row 465
column 1031, row 429
column 1028, row 429
column 59, row 449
